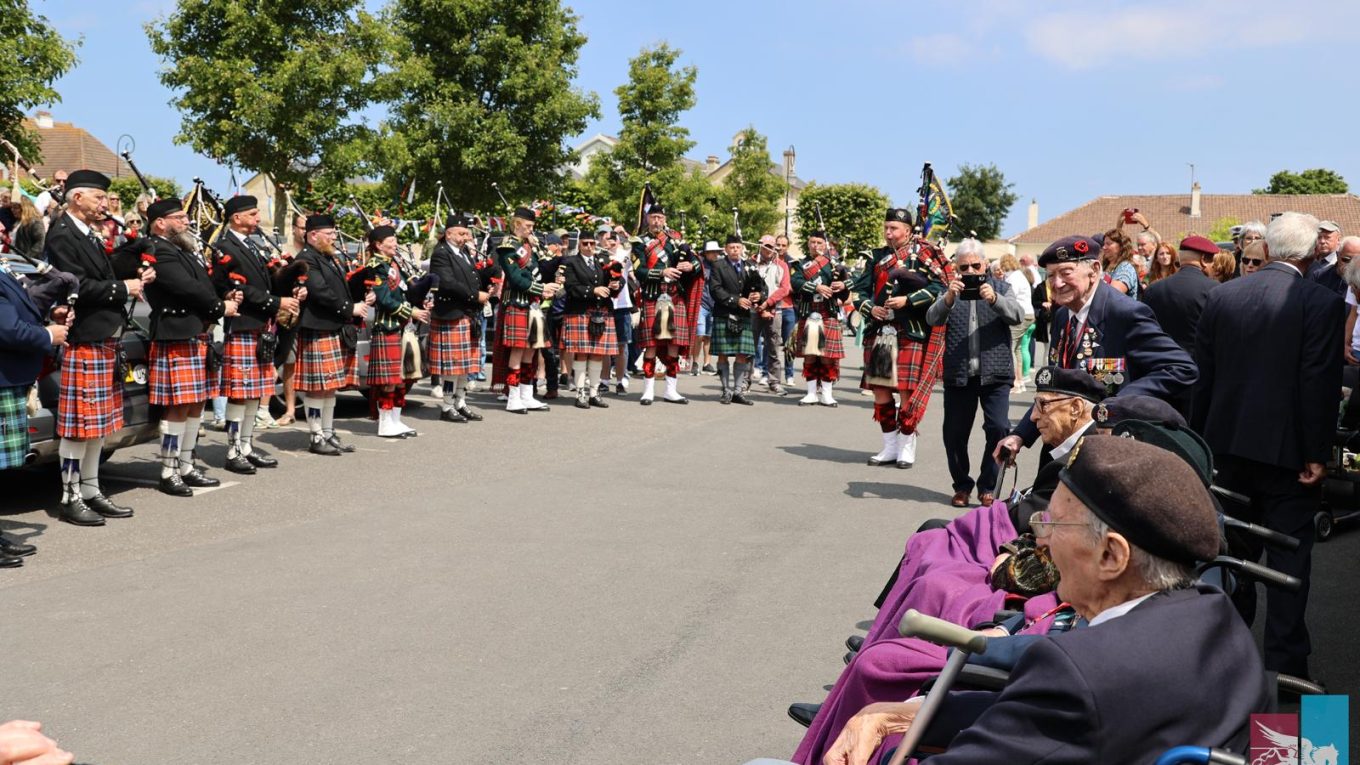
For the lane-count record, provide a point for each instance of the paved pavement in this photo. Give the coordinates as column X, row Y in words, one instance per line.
column 629, row 585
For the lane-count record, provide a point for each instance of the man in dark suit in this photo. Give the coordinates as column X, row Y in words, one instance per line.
column 1266, row 403
column 1178, row 300
column 1161, row 664
column 733, row 333
column 1107, row 333
column 455, row 329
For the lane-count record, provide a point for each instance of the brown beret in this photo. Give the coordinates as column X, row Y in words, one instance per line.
column 1171, row 517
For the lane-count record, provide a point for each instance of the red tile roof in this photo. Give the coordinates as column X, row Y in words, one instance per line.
column 67, row 147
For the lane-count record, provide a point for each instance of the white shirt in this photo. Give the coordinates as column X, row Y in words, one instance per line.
column 80, row 225
column 1114, row 612
column 1061, row 451
column 625, row 256
column 1020, row 290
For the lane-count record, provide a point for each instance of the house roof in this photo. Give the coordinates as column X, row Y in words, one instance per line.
column 67, row 147
column 776, row 169
column 1169, row 214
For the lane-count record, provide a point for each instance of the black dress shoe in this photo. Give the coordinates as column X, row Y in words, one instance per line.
column 344, row 448
column 319, row 446
column 725, row 399
column 645, row 401
column 804, row 714
column 239, row 464
column 581, row 404
column 598, row 402
column 80, row 514
column 101, row 504
column 452, row 415
column 262, row 460
column 15, row 548
column 9, row 561
column 197, row 480
column 175, row 487
column 744, row 401
column 854, row 642
column 469, row 414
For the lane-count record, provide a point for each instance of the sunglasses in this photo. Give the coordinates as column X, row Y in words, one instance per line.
column 973, row 267
column 1252, row 261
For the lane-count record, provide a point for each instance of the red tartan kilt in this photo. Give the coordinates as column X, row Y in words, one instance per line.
column 575, row 334
column 911, row 364
column 451, row 350
column 323, row 364
column 384, row 359
column 833, row 346
column 514, row 327
column 177, row 372
column 244, row 378
column 684, row 328
column 91, row 401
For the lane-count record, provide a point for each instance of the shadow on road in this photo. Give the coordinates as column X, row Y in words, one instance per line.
column 871, row 489
column 827, row 453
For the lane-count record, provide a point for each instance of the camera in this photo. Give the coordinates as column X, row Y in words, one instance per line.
column 972, row 285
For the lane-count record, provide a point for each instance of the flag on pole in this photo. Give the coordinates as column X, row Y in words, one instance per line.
column 645, row 203
column 935, row 213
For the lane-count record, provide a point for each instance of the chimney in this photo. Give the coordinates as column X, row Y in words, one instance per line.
column 43, row 119
column 1194, row 200
column 711, row 163
column 788, row 162
column 1033, row 221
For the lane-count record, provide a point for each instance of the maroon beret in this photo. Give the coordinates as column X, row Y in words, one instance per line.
column 1200, row 244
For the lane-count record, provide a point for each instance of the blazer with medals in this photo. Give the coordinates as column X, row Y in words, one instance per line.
column 583, row 275
column 909, row 320
column 183, row 298
column 1124, row 336
column 241, row 266
column 101, row 301
column 328, row 306
column 24, row 341
column 459, row 283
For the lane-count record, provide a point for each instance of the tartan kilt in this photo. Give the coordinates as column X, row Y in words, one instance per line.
column 918, row 363
column 13, row 426
column 724, row 343
column 684, row 327
column 834, row 343
column 384, row 359
column 513, row 330
column 451, row 350
column 244, row 378
column 177, row 372
column 323, row 364
column 575, row 334
column 91, row 401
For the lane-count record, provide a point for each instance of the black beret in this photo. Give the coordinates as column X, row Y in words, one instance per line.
column 817, row 233
column 1070, row 249
column 240, row 204
column 899, row 214
column 1116, row 409
column 1179, row 440
column 1172, row 517
column 734, row 239
column 1074, row 382
column 319, row 221
column 379, row 233
column 552, row 238
column 656, row 209
column 524, row 213
column 87, row 179
column 161, row 208
column 458, row 220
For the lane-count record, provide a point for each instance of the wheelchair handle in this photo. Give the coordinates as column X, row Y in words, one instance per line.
column 1282, row 541
column 940, row 632
column 1267, row 576
column 1199, row 755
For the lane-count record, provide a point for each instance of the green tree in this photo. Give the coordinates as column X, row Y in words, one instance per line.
column 32, row 57
column 481, row 93
column 853, row 214
column 128, row 188
column 1315, row 181
column 981, row 199
column 1222, row 229
column 268, row 86
column 751, row 187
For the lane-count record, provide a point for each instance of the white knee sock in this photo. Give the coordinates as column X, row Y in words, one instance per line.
column 313, row 406
column 234, row 414
column 187, row 444
column 89, row 468
column 594, row 368
column 71, row 453
column 328, row 416
column 449, row 402
column 248, row 425
column 171, row 432
column 460, row 383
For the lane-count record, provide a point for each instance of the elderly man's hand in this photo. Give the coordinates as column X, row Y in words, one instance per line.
column 987, row 293
column 22, row 741
column 866, row 730
column 1006, row 449
column 1312, row 473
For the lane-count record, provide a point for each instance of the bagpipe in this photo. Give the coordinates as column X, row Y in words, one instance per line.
column 48, row 287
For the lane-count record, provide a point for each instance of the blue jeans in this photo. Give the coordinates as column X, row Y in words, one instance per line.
column 790, row 322
column 705, row 326
column 623, row 328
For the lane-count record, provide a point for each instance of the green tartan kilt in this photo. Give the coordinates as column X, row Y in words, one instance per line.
column 727, row 343
column 13, row 426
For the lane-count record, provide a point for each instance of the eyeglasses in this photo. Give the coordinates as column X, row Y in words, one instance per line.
column 972, row 266
column 1042, row 525
column 1252, row 261
column 1043, row 405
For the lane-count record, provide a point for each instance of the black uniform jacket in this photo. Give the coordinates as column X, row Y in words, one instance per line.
column 102, row 298
column 183, row 298
column 727, row 287
column 1177, row 301
column 583, row 275
column 459, row 283
column 328, row 306
column 239, row 267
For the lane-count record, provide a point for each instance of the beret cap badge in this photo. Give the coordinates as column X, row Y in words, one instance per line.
column 1045, row 376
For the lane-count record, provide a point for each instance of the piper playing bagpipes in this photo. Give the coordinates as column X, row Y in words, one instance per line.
column 392, row 312
column 522, row 328
column 902, row 353
column 455, row 331
column 672, row 287
column 819, row 287
column 588, row 319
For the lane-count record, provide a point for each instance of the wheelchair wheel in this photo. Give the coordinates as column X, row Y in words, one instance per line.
column 1322, row 524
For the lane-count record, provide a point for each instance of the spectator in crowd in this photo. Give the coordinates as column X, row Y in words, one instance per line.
column 1165, row 262
column 29, row 230
column 8, row 213
column 699, row 357
column 1254, row 257
column 1116, row 258
column 1269, row 344
column 770, row 314
column 1178, row 300
column 1021, row 289
column 788, row 315
column 1222, row 267
column 1146, row 244
column 1350, row 375
column 978, row 368
column 1326, row 269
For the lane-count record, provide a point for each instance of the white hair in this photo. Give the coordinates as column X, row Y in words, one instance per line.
column 969, row 247
column 1157, row 573
column 1351, row 271
column 1148, row 236
column 1292, row 236
column 1252, row 227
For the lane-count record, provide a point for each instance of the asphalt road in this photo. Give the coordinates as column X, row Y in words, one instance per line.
column 619, row 586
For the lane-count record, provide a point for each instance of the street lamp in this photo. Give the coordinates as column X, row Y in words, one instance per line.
column 788, row 186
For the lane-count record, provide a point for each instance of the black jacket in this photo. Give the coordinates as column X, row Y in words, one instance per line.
column 727, row 287
column 1269, row 349
column 102, row 298
column 24, row 341
column 1177, row 301
column 328, row 306
column 183, row 299
column 584, row 274
column 459, row 284
column 240, row 268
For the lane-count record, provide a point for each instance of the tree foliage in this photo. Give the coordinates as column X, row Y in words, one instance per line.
column 1222, row 228
column 1315, row 181
column 32, row 57
column 853, row 214
column 982, row 199
column 751, row 188
column 128, row 188
column 267, row 86
column 480, row 92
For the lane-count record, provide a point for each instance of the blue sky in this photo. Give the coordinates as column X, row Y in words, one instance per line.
column 1070, row 99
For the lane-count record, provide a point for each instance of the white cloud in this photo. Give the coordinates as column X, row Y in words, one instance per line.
column 937, row 48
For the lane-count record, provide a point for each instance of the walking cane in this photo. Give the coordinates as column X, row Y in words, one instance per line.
column 940, row 632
